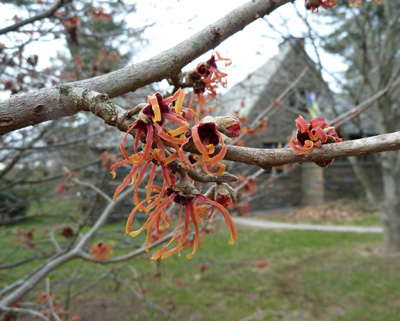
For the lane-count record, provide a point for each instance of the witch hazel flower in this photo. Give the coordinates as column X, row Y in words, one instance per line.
column 101, row 251
column 314, row 134
column 163, row 129
column 206, row 137
column 193, row 208
column 211, row 78
column 222, row 193
column 314, row 5
column 151, row 126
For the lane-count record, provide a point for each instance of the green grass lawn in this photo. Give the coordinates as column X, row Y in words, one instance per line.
column 309, row 276
column 266, row 275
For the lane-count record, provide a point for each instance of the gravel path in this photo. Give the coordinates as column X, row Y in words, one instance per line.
column 309, row 227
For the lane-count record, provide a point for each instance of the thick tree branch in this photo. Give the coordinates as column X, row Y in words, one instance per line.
column 32, row 108
column 267, row 158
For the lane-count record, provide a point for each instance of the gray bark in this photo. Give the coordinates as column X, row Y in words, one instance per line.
column 391, row 201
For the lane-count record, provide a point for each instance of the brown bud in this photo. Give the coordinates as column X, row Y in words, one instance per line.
column 229, row 126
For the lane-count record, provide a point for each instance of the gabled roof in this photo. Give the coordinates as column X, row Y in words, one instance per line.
column 244, row 95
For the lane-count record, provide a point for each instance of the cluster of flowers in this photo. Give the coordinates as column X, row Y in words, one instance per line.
column 314, row 134
column 164, row 129
column 314, row 5
column 207, row 79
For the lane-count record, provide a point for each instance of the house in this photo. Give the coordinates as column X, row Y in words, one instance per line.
column 307, row 183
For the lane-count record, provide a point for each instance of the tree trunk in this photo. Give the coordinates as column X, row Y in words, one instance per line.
column 391, row 201
column 365, row 181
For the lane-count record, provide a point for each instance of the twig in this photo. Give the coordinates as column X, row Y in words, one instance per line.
column 94, row 284
column 50, row 301
column 29, row 283
column 71, row 280
column 93, row 187
column 40, row 16
column 128, row 256
column 354, row 112
column 25, row 311
column 141, row 297
column 54, row 241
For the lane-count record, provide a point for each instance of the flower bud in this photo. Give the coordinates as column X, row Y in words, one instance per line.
column 229, row 126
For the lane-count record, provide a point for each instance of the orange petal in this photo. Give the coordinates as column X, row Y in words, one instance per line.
column 132, row 214
column 156, row 108
column 196, row 233
column 307, row 148
column 301, row 124
column 228, row 220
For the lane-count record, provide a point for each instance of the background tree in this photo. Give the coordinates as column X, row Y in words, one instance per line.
column 369, row 41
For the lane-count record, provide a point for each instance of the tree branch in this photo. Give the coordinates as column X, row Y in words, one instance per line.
column 30, row 283
column 25, row 311
column 43, row 15
column 267, row 158
column 32, row 108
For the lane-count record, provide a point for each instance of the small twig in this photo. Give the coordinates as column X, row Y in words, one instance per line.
column 71, row 280
column 354, row 112
column 25, row 311
column 134, row 111
column 54, row 241
column 96, row 189
column 43, row 15
column 91, row 286
column 50, row 301
column 141, row 297
column 131, row 255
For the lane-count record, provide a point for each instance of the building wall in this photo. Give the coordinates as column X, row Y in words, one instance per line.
column 341, row 181
column 282, row 193
column 310, row 184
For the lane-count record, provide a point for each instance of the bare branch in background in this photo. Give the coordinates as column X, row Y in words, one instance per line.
column 46, row 14
column 30, row 312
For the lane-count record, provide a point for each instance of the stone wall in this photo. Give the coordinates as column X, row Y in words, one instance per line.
column 283, row 192
column 311, row 184
column 341, row 181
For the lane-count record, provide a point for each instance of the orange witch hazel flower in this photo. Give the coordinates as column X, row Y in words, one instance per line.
column 314, row 134
column 314, row 5
column 210, row 79
column 193, row 207
column 152, row 129
column 151, row 124
column 101, row 251
column 206, row 135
